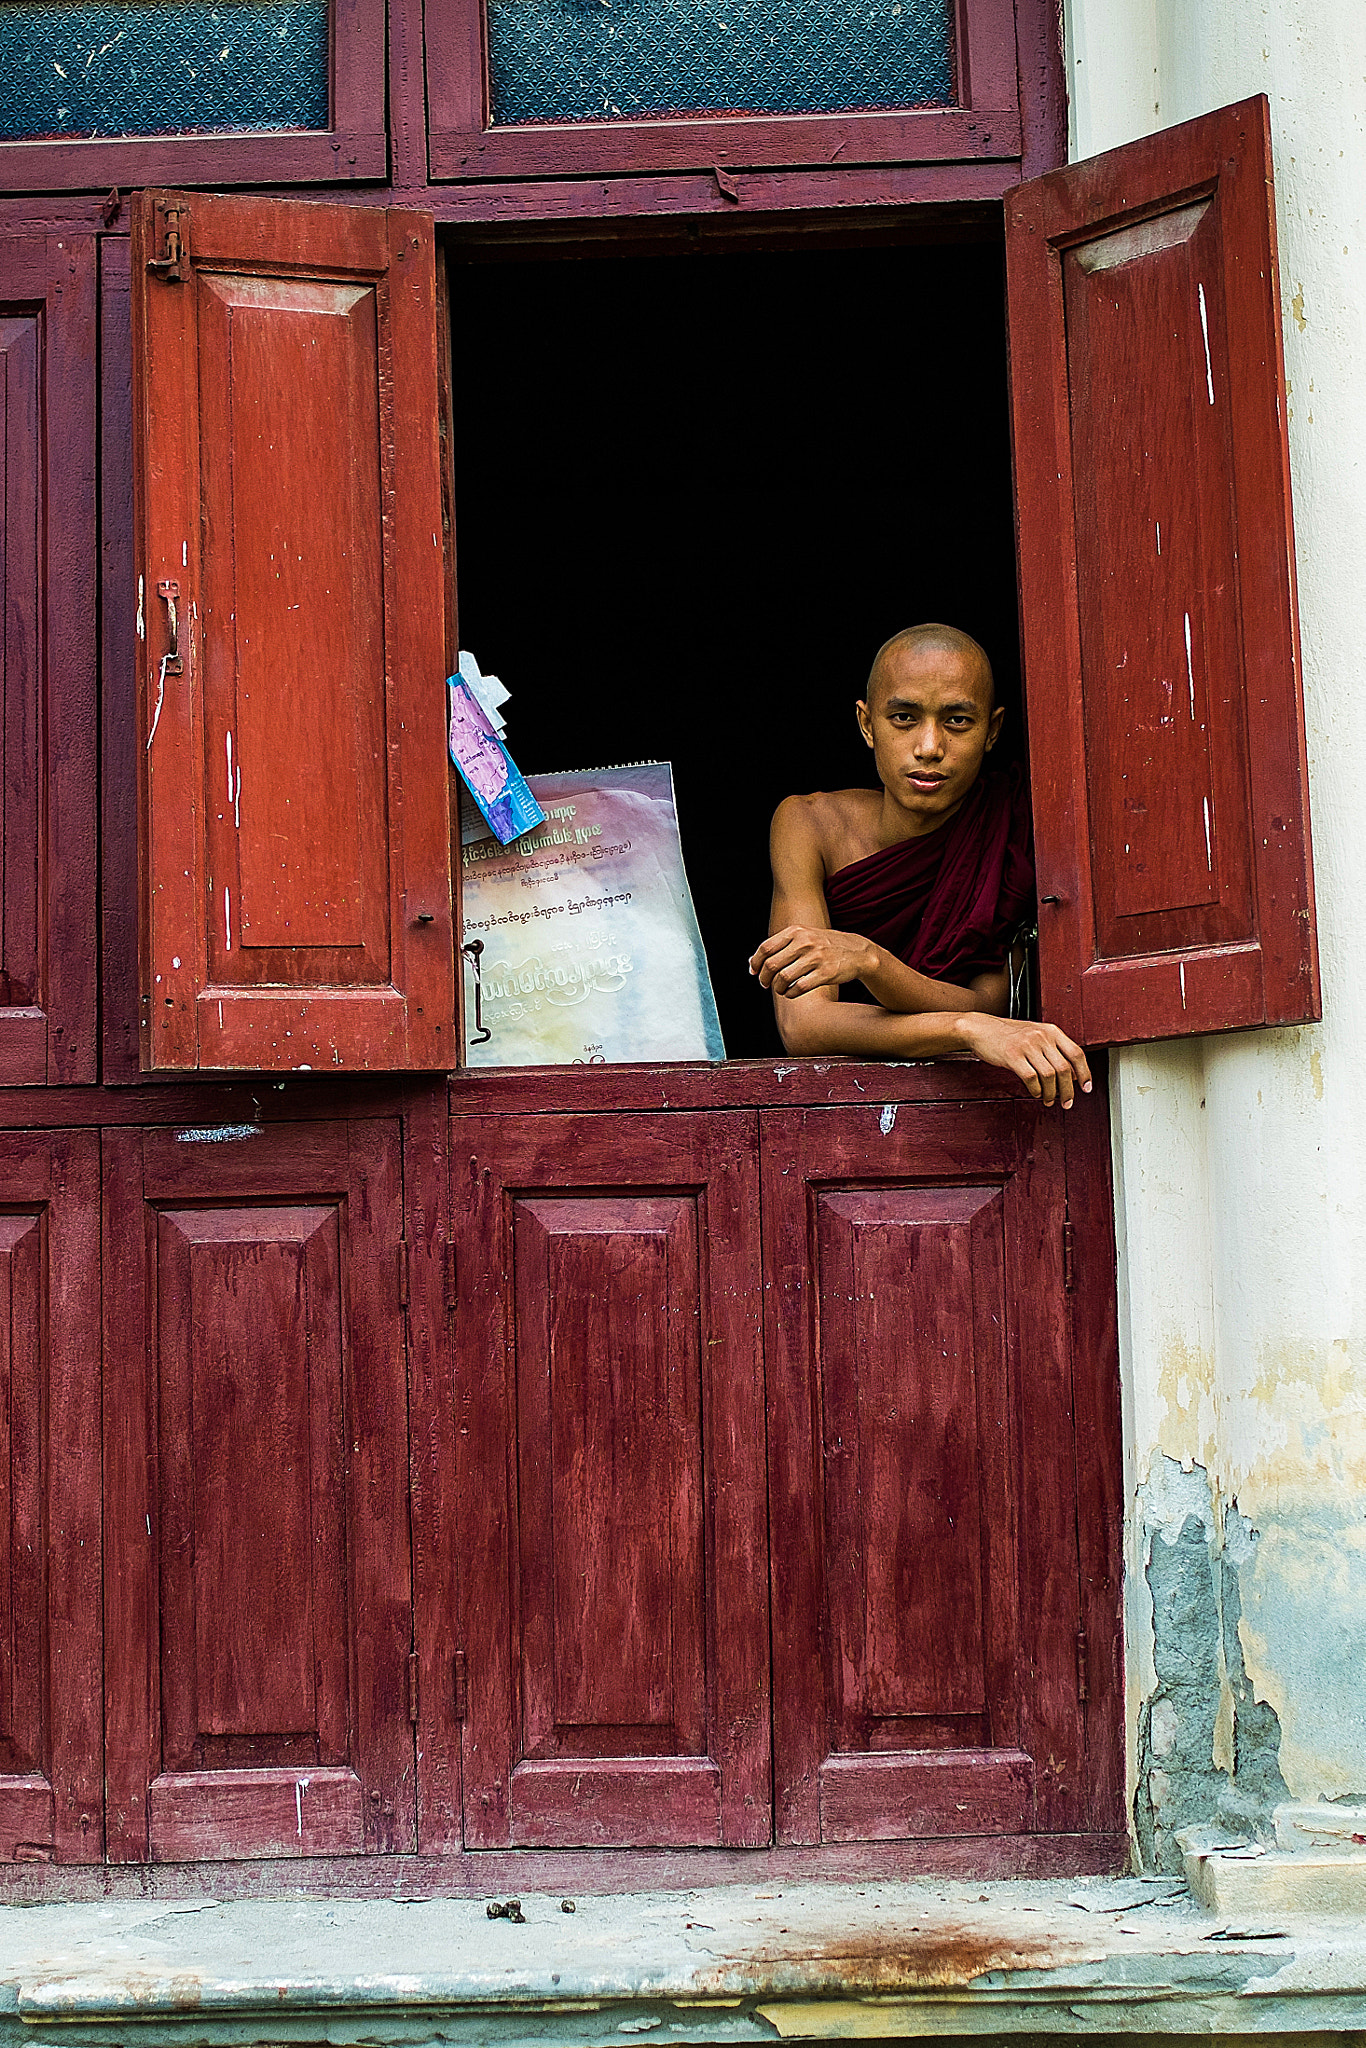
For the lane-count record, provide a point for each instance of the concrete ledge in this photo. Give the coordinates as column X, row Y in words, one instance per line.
column 724, row 1964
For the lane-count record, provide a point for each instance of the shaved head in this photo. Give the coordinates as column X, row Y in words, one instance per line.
column 931, row 639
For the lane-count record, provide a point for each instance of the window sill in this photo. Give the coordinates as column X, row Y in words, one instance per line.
column 254, row 157
column 763, row 1957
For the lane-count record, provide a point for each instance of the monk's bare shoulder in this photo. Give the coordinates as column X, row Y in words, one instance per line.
column 833, row 826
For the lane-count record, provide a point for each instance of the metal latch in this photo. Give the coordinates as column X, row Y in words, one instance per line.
column 169, row 589
column 474, row 953
column 169, row 265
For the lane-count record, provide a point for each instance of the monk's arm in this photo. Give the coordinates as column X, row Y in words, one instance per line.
column 1049, row 1064
column 802, row 953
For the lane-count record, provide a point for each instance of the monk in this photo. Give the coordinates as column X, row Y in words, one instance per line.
column 907, row 898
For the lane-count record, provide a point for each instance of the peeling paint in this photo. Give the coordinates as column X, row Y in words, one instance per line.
column 1208, row 1740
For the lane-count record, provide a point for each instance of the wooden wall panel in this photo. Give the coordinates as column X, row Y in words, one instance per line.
column 50, row 1724
column 608, row 1401
column 923, row 1482
column 609, row 1429
column 254, row 1337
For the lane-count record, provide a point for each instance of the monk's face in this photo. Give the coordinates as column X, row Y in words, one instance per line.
column 930, row 722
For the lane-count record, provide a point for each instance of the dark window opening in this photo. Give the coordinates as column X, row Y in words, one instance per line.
column 695, row 493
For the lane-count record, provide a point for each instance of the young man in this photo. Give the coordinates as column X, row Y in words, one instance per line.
column 932, row 875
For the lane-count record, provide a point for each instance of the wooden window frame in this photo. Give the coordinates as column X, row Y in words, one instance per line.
column 353, row 146
column 984, row 126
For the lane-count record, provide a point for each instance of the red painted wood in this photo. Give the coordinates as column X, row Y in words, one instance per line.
column 609, row 1447
column 47, row 659
column 465, row 145
column 745, row 142
column 251, row 1458
column 921, row 1469
column 432, row 1474
column 734, row 1084
column 50, row 1723
column 653, row 1801
column 1100, row 1472
column 280, row 464
column 562, row 1872
column 120, row 769
column 912, row 1312
column 1043, row 86
column 354, row 148
column 608, row 1408
column 255, row 1369
column 1170, row 789
column 213, row 1815
column 953, row 1792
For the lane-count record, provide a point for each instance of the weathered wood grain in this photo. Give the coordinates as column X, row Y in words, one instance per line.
column 50, row 1620
column 297, row 908
column 920, row 1455
column 608, row 1395
column 256, row 1426
column 1158, row 610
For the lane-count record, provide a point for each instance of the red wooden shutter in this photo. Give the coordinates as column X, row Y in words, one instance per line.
column 1157, row 589
column 295, row 855
column 47, row 659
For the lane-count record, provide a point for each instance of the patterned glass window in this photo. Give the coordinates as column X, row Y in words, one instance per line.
column 623, row 60
column 114, row 67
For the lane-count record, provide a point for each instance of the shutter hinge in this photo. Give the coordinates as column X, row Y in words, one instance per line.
column 412, row 1687
column 168, row 266
column 1083, row 1672
column 403, row 1272
column 459, row 1685
column 1069, row 1257
column 450, row 1273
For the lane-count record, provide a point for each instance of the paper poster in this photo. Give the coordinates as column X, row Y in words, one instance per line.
column 487, row 768
column 588, row 946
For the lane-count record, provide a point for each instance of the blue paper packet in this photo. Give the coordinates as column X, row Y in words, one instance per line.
column 489, row 772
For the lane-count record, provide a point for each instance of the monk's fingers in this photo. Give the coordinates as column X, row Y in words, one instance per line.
column 796, row 976
column 800, row 981
column 1078, row 1073
column 779, row 967
column 1045, row 1066
column 1078, row 1061
column 772, row 945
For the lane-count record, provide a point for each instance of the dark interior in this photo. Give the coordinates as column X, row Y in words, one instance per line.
column 694, row 493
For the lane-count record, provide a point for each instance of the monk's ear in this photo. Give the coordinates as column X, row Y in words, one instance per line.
column 865, row 721
column 994, row 724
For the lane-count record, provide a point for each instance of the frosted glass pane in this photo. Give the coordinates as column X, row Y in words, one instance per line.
column 614, row 60
column 115, row 68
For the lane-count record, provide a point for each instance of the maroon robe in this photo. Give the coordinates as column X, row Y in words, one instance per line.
column 950, row 902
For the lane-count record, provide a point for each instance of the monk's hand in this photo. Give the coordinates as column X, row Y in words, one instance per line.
column 1051, row 1066
column 802, row 957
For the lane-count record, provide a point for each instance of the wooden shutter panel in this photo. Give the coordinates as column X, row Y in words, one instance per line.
column 293, row 829
column 47, row 658
column 1157, row 589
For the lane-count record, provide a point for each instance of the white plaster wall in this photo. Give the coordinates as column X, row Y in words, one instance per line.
column 1241, row 1160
